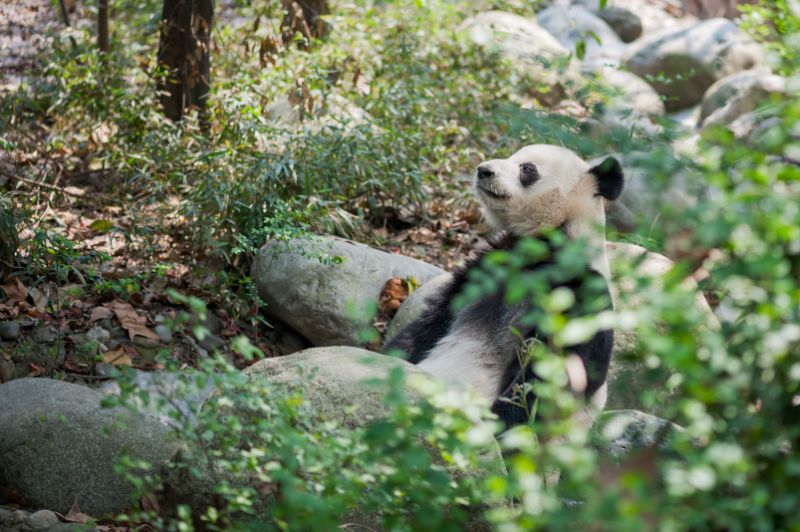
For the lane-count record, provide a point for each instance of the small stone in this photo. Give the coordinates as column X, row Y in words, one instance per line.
column 104, row 369
column 43, row 335
column 211, row 342
column 118, row 333
column 40, row 520
column 16, row 517
column 98, row 334
column 159, row 318
column 9, row 330
column 163, row 333
column 6, row 367
column 147, row 343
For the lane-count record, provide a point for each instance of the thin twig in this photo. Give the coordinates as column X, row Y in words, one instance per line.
column 42, row 185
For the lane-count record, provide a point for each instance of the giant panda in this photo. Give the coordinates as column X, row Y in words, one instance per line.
column 537, row 192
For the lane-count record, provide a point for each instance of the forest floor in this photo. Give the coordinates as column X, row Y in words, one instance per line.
column 105, row 300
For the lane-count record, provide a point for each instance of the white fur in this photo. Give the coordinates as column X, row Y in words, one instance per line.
column 461, row 358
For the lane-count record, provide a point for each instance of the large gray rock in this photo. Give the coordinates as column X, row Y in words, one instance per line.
column 731, row 97
column 626, row 377
column 57, row 444
column 682, row 63
column 645, row 197
column 630, row 92
column 172, row 398
column 342, row 385
column 323, row 300
column 532, row 50
column 653, row 15
column 574, row 24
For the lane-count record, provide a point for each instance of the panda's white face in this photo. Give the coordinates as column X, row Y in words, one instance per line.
column 543, row 186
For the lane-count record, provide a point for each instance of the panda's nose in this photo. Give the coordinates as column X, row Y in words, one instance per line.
column 484, row 172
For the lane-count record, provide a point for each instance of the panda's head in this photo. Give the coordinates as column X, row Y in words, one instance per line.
column 544, row 186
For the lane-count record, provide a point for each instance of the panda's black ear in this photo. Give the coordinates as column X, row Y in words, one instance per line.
column 610, row 179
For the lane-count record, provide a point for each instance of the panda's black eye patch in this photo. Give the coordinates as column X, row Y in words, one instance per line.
column 528, row 174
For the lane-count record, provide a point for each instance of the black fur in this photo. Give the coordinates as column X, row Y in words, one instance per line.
column 610, row 178
column 492, row 314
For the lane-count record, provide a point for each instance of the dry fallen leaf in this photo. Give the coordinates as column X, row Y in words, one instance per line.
column 394, row 292
column 117, row 357
column 131, row 321
column 40, row 296
column 99, row 313
column 150, row 504
column 15, row 291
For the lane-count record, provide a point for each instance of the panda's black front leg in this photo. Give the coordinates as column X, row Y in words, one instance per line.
column 514, row 405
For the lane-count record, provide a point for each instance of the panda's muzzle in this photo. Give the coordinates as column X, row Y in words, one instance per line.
column 486, row 184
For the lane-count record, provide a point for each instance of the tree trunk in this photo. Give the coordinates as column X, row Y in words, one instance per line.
column 102, row 25
column 184, row 56
column 9, row 238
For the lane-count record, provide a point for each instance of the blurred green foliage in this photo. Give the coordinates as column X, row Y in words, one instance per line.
column 436, row 104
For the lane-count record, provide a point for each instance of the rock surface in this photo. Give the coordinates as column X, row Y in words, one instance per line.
column 625, row 23
column 652, row 15
column 682, row 63
column 625, row 376
column 172, row 397
column 326, row 302
column 575, row 24
column 531, row 49
column 59, row 444
column 341, row 385
column 645, row 196
column 631, row 92
column 731, row 97
column 9, row 330
column 620, row 433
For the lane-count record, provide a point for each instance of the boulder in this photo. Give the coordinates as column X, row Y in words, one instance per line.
column 629, row 91
column 323, row 287
column 625, row 23
column 626, row 379
column 645, row 195
column 532, row 50
column 575, row 24
column 652, row 15
column 173, row 398
column 682, row 63
column 345, row 386
column 59, row 445
column 737, row 94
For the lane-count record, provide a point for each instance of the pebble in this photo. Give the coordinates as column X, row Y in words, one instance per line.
column 118, row 333
column 104, row 369
column 43, row 335
column 147, row 343
column 211, row 342
column 9, row 330
column 163, row 333
column 41, row 520
column 98, row 334
column 16, row 517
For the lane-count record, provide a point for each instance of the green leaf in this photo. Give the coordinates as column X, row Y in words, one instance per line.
column 603, row 4
column 580, row 49
column 102, row 226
